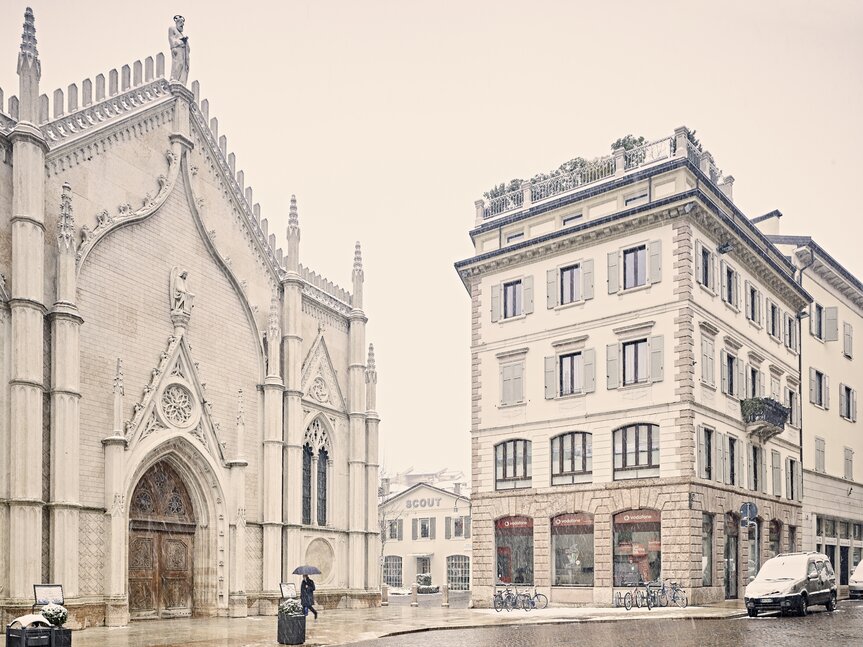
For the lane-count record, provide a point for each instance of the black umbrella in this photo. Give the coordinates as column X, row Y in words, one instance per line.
column 307, row 570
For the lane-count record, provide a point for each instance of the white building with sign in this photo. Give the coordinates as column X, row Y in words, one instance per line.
column 425, row 529
column 619, row 423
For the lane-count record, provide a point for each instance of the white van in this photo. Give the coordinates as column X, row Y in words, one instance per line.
column 792, row 582
column 855, row 584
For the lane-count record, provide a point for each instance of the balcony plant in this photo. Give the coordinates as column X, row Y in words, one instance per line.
column 292, row 623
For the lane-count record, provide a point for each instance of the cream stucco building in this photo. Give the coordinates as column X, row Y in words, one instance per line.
column 832, row 377
column 633, row 337
column 426, row 529
column 186, row 411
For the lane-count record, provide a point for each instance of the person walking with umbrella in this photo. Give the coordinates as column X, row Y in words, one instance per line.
column 307, row 596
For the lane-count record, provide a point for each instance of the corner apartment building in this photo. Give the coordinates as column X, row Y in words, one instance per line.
column 426, row 529
column 833, row 376
column 633, row 338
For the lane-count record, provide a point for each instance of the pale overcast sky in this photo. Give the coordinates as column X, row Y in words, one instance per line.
column 388, row 119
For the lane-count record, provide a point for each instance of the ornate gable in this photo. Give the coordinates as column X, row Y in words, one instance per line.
column 319, row 382
column 175, row 399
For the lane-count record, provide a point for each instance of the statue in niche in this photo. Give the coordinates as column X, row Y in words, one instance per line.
column 179, row 45
column 181, row 299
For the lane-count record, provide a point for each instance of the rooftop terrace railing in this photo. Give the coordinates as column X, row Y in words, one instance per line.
column 603, row 168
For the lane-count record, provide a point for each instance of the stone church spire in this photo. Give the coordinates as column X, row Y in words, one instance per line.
column 358, row 277
column 293, row 260
column 29, row 71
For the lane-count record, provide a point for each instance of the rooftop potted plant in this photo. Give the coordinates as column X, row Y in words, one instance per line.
column 292, row 623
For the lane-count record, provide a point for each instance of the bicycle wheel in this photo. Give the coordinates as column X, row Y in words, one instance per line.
column 627, row 600
column 526, row 603
column 509, row 602
column 663, row 599
column 540, row 601
column 680, row 599
column 639, row 599
column 648, row 598
column 498, row 602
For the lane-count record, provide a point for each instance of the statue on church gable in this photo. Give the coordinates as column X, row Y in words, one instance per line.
column 182, row 300
column 179, row 44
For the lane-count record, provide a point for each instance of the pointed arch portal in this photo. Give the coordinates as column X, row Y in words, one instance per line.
column 161, row 545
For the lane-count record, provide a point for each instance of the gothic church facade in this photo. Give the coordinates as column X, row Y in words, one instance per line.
column 187, row 413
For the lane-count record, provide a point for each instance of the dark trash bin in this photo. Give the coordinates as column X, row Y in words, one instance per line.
column 292, row 629
column 38, row 637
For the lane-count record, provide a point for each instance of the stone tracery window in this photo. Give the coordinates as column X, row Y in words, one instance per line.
column 177, row 404
column 317, row 452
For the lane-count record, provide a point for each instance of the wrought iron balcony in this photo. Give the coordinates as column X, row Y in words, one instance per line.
column 763, row 417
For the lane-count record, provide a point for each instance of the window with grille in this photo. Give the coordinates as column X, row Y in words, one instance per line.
column 393, row 571
column 458, row 572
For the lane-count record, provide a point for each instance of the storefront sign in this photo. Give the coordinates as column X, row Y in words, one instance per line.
column 567, row 520
column 515, row 523
column 430, row 502
column 638, row 516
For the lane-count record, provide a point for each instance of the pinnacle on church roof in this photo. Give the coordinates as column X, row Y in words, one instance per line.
column 293, row 216
column 358, row 258
column 28, row 38
column 66, row 221
column 371, row 360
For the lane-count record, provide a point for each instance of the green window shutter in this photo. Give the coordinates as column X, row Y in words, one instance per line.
column 612, row 365
column 613, row 272
column 448, row 527
column 414, row 529
column 495, row 302
column 831, row 327
column 527, row 294
column 741, row 379
column 699, row 267
column 550, row 377
column 431, row 528
column 588, row 357
column 551, row 288
column 654, row 261
column 467, row 527
column 587, row 279
column 699, row 457
column 655, row 345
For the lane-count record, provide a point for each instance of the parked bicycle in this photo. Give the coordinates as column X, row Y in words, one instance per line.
column 505, row 599
column 620, row 599
column 641, row 595
column 677, row 595
column 535, row 601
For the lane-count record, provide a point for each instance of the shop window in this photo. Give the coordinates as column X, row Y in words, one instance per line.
column 572, row 549
column 458, row 572
column 393, row 571
column 754, row 548
column 706, row 550
column 513, row 539
column 637, row 546
column 792, row 539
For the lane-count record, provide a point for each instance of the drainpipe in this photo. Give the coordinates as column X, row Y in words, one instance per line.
column 800, row 363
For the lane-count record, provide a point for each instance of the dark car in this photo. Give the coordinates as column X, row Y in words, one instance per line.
column 792, row 582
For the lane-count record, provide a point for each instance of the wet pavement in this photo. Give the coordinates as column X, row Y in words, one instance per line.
column 463, row 626
column 843, row 627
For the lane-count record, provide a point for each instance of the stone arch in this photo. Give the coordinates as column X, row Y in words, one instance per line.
column 204, row 493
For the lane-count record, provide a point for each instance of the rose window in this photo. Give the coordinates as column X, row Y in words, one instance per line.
column 175, row 504
column 177, row 404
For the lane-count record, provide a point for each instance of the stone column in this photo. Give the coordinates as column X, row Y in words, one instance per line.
column 65, row 399
column 357, row 552
column 237, row 601
column 373, row 538
column 27, row 313
column 292, row 458
column 272, row 469
column 116, row 553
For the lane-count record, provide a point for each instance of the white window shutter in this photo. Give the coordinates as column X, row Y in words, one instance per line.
column 723, row 280
column 587, row 279
column 612, row 365
column 505, row 385
column 751, row 465
column 813, row 391
column 527, row 294
column 788, row 478
column 495, row 302
column 699, row 268
column 786, row 325
column 718, row 460
column 705, row 375
column 831, row 327
column 826, row 392
column 723, row 369
column 518, row 382
column 550, row 377
column 654, row 262
column 741, row 377
column 798, row 472
column 699, row 458
column 740, row 464
column 843, row 400
column 737, row 289
column 726, row 460
column 761, row 385
column 711, row 360
column 747, row 388
column 551, row 287
column 613, row 272
column 655, row 346
column 812, row 311
column 447, row 527
column 747, row 298
column 847, row 339
column 589, row 362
